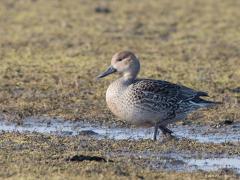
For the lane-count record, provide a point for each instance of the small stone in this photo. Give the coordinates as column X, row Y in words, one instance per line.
column 228, row 122
column 87, row 133
column 104, row 10
column 235, row 90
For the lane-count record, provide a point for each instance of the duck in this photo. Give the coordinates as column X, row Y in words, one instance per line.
column 149, row 102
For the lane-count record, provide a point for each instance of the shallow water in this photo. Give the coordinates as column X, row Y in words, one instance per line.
column 168, row 161
column 177, row 161
column 213, row 164
column 205, row 134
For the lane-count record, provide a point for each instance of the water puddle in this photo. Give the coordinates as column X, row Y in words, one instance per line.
column 204, row 134
column 177, row 161
column 214, row 164
column 207, row 134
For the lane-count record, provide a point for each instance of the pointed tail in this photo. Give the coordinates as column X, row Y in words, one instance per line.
column 205, row 103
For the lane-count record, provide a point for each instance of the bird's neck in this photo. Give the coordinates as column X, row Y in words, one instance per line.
column 129, row 77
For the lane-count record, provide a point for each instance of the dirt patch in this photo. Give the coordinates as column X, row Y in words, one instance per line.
column 80, row 158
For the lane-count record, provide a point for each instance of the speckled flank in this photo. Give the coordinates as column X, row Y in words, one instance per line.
column 149, row 102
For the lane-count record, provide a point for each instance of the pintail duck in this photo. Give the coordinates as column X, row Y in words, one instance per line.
column 146, row 101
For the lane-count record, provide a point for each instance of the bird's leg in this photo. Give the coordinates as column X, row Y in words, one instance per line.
column 155, row 131
column 165, row 130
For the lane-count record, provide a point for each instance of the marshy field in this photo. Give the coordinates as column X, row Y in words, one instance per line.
column 54, row 121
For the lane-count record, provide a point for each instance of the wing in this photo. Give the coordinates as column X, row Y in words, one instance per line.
column 157, row 95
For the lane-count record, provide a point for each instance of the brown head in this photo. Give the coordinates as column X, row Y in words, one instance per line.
column 124, row 62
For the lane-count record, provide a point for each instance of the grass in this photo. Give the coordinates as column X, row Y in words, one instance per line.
column 51, row 52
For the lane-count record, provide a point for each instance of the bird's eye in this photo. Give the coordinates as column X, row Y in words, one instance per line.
column 120, row 59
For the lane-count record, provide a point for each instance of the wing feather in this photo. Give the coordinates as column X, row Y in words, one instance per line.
column 159, row 95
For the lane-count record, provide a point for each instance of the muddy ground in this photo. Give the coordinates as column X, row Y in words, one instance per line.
column 50, row 54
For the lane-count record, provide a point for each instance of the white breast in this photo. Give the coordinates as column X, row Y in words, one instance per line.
column 120, row 104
